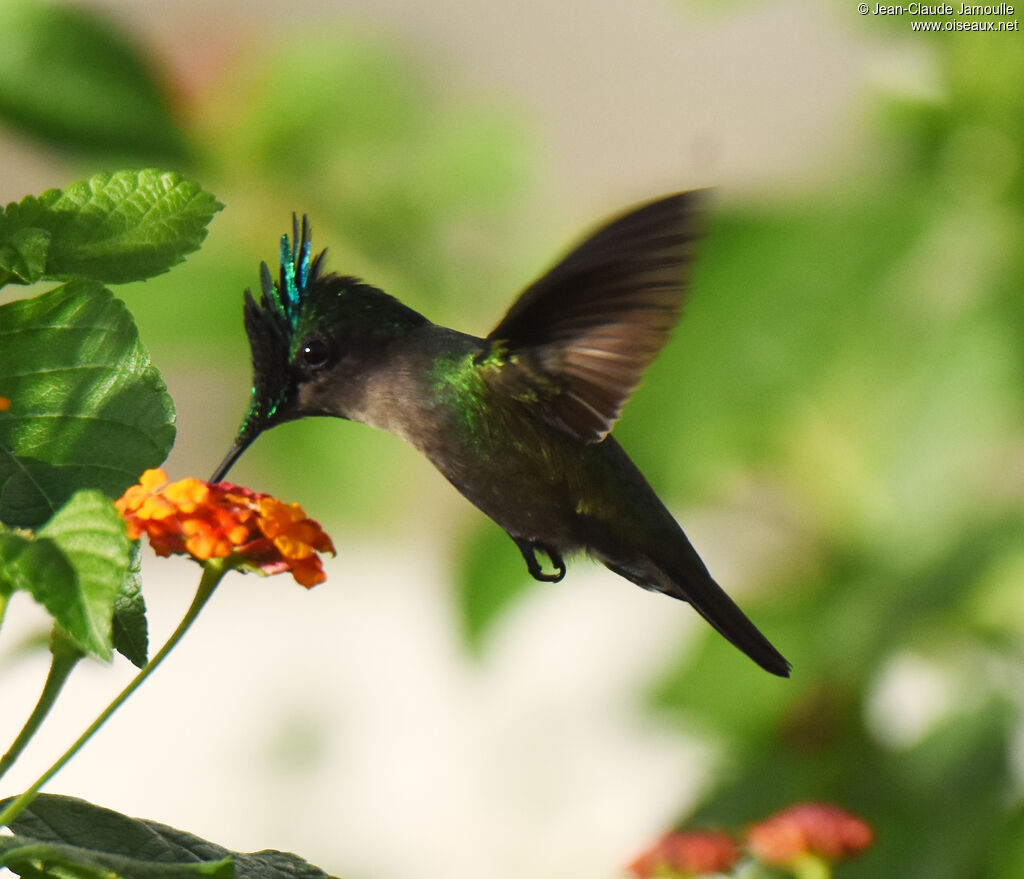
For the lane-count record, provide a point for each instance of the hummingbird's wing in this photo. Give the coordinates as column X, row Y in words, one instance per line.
column 583, row 334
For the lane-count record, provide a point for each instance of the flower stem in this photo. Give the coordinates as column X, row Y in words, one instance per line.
column 65, row 658
column 809, row 866
column 213, row 571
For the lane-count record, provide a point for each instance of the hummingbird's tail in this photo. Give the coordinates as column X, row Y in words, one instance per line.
column 685, row 577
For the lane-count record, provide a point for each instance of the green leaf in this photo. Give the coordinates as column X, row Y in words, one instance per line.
column 91, row 535
column 27, row 857
column 23, row 254
column 112, row 228
column 131, row 634
column 24, row 562
column 68, row 77
column 74, row 566
column 88, row 410
column 59, row 836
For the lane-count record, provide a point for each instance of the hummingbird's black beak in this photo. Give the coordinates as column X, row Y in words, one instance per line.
column 269, row 325
column 229, row 459
column 253, row 425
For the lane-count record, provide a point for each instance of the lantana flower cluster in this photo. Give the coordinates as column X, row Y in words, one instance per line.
column 216, row 520
column 688, row 853
column 820, row 829
column 804, row 830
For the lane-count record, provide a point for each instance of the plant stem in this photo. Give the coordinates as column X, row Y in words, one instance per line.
column 213, row 571
column 810, row 866
column 65, row 656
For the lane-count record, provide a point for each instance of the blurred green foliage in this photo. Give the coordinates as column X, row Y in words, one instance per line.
column 853, row 351
column 859, row 351
column 81, row 86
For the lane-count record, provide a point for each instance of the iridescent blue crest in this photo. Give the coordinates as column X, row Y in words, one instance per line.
column 295, row 270
column 270, row 325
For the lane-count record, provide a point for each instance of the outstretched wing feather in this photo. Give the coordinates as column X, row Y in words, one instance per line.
column 590, row 327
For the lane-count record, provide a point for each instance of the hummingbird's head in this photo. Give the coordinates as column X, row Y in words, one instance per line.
column 313, row 337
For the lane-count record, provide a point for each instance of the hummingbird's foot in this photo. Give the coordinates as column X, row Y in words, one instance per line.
column 529, row 551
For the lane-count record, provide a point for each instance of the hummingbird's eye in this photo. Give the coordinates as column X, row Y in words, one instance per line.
column 315, row 353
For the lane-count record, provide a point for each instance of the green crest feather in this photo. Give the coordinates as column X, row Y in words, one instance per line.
column 270, row 325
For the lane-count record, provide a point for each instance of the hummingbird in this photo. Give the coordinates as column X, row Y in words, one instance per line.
column 518, row 421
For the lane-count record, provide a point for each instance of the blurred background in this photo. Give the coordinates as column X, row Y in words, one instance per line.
column 837, row 423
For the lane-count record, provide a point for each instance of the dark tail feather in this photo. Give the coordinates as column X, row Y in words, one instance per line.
column 711, row 602
column 645, row 545
column 694, row 584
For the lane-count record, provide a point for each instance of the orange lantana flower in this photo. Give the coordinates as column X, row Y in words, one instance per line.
column 218, row 519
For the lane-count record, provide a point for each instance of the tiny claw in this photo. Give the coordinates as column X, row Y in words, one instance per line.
column 529, row 551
